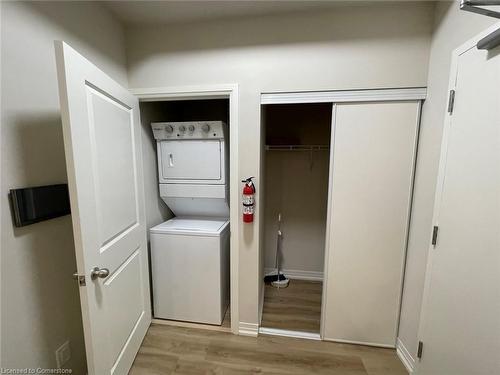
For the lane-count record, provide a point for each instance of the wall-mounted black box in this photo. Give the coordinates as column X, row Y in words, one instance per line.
column 34, row 204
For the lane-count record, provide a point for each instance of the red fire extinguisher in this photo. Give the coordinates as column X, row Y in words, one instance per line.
column 248, row 200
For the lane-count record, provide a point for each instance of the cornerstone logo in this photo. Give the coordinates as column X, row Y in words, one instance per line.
column 38, row 370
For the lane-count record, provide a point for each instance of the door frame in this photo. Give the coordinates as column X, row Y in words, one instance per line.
column 417, row 94
column 222, row 91
column 468, row 45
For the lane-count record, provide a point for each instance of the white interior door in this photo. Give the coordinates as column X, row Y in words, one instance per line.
column 460, row 327
column 103, row 156
column 373, row 149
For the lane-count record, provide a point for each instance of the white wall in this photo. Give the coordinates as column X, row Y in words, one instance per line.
column 452, row 28
column 380, row 45
column 40, row 303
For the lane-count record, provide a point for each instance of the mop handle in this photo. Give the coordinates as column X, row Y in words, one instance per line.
column 278, row 245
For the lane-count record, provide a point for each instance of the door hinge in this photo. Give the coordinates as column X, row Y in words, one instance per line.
column 435, row 231
column 80, row 279
column 451, row 101
column 420, row 349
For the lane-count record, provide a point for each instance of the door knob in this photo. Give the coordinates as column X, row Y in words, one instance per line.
column 99, row 272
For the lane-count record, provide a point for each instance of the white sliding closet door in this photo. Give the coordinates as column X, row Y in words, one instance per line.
column 373, row 160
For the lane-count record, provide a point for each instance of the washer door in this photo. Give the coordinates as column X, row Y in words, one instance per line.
column 190, row 160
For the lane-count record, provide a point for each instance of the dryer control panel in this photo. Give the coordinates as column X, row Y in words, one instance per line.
column 188, row 130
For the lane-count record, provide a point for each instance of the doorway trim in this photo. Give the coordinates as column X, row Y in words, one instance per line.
column 344, row 96
column 221, row 91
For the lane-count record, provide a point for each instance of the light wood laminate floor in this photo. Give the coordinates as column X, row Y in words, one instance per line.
column 296, row 308
column 178, row 350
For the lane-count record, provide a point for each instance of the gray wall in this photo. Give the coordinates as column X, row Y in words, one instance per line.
column 373, row 46
column 451, row 29
column 40, row 303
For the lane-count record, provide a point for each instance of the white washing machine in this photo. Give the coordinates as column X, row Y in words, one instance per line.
column 190, row 253
column 189, row 262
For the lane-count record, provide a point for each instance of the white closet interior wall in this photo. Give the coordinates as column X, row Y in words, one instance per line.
column 296, row 185
column 156, row 210
column 159, row 111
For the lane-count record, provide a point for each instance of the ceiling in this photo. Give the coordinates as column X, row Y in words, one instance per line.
column 168, row 12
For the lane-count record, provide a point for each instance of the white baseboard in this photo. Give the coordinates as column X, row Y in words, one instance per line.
column 365, row 343
column 248, row 329
column 405, row 356
column 288, row 333
column 298, row 274
column 178, row 323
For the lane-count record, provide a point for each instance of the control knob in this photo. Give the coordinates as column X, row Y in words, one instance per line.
column 191, row 128
column 169, row 129
column 182, row 128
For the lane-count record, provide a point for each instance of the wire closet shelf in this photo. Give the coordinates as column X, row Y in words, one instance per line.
column 297, row 147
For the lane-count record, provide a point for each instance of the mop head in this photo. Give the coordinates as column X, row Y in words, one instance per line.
column 277, row 280
column 281, row 283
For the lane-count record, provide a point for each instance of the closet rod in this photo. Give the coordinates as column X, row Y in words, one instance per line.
column 297, row 148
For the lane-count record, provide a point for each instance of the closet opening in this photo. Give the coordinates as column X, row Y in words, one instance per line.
column 186, row 176
column 296, row 164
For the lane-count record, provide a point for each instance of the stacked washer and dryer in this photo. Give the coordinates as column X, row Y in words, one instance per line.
column 190, row 252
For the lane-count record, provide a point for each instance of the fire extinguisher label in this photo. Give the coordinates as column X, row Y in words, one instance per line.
column 248, row 200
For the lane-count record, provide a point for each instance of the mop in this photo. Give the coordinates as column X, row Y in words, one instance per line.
column 279, row 280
